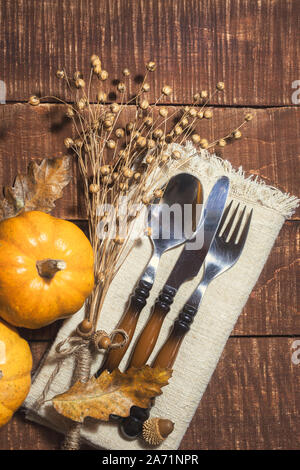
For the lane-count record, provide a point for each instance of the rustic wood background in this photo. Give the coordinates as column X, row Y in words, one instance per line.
column 252, row 401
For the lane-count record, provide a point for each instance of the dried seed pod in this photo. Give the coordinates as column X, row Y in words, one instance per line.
column 151, row 66
column 120, row 133
column 156, row 430
column 220, row 86
column 103, row 75
column 204, row 143
column 248, row 117
column 200, row 114
column 178, row 130
column 123, row 186
column 184, row 122
column 126, row 72
column 70, row 112
column 94, row 188
column 68, row 142
column 141, row 141
column 148, row 121
column 81, row 104
column 78, row 142
column 115, row 108
column 129, row 126
column 137, row 176
column 60, row 74
column 167, row 90
column 146, row 87
column 196, row 138
column 118, row 240
column 163, row 112
column 158, row 193
column 101, row 97
column 111, row 144
column 222, row 143
column 97, row 69
column 34, row 100
column 121, row 87
column 208, row 114
column 149, row 159
column 176, row 154
column 150, row 144
column 164, row 158
column 107, row 123
column 144, row 104
column 77, row 75
column 122, row 153
column 107, row 179
column 192, row 112
column 127, row 172
column 95, row 60
column 158, row 133
column 105, row 170
column 204, row 94
column 197, row 97
column 80, row 83
column 237, row 134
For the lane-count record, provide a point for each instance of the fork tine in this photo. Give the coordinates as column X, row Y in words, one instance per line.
column 245, row 231
column 230, row 222
column 237, row 227
column 224, row 216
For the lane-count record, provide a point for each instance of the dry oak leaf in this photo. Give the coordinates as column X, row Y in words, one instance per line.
column 113, row 393
column 38, row 189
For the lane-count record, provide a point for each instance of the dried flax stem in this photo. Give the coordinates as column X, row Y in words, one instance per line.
column 117, row 160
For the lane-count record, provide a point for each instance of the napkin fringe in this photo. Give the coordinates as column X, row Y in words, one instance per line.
column 250, row 188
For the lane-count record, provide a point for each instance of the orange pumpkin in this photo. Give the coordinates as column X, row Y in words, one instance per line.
column 46, row 269
column 15, row 368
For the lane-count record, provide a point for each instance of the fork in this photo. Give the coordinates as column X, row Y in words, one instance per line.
column 222, row 255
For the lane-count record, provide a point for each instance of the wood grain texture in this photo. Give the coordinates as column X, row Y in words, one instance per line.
column 194, row 43
column 269, row 149
column 250, row 403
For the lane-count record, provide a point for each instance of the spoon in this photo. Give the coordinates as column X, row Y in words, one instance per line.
column 167, row 231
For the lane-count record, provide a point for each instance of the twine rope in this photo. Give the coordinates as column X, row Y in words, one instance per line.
column 79, row 346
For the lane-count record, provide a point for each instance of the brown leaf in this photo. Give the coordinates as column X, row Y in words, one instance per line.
column 113, row 393
column 38, row 189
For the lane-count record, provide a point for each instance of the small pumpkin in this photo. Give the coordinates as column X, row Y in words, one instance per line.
column 15, row 368
column 46, row 269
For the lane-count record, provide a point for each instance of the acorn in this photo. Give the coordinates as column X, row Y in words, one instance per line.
column 156, row 430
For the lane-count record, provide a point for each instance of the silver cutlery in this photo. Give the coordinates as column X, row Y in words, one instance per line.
column 187, row 266
column 222, row 255
column 183, row 189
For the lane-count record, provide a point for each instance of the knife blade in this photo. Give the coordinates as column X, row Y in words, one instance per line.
column 190, row 261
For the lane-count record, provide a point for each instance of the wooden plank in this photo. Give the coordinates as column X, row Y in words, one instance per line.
column 270, row 147
column 194, row 43
column 250, row 403
column 273, row 306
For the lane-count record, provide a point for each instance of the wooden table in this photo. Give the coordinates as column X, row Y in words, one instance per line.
column 251, row 401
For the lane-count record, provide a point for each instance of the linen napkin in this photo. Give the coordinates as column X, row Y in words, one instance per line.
column 218, row 313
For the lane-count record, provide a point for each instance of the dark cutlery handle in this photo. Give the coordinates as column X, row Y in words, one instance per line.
column 128, row 323
column 150, row 333
column 168, row 353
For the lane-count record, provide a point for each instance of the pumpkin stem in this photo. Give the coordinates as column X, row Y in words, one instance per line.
column 48, row 267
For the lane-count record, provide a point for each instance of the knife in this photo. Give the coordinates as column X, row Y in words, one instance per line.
column 187, row 266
